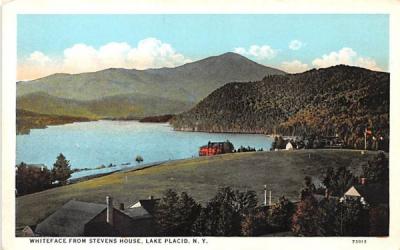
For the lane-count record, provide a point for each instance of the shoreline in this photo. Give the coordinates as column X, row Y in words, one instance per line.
column 123, row 169
column 151, row 122
column 229, row 132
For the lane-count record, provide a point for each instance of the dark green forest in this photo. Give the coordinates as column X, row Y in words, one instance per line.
column 339, row 100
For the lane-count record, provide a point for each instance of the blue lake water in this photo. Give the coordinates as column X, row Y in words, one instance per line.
column 91, row 144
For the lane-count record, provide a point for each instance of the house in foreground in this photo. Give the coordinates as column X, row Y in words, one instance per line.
column 371, row 194
column 78, row 218
column 147, row 204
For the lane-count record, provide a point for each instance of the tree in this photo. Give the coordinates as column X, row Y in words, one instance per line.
column 176, row 214
column 377, row 169
column 224, row 213
column 281, row 213
column 278, row 143
column 326, row 216
column 61, row 171
column 305, row 220
column 166, row 213
column 311, row 217
column 30, row 179
column 328, row 178
column 254, row 223
column 139, row 159
column 308, row 188
column 189, row 210
column 339, row 180
column 379, row 221
column 351, row 218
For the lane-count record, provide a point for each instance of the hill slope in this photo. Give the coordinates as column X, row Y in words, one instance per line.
column 26, row 120
column 187, row 84
column 337, row 100
column 120, row 106
column 283, row 172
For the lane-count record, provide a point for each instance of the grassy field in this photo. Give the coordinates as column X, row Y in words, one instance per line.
column 282, row 171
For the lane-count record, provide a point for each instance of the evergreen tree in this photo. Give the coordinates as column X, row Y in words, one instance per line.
column 176, row 214
column 224, row 213
column 377, row 170
column 339, row 180
column 166, row 213
column 189, row 210
column 61, row 171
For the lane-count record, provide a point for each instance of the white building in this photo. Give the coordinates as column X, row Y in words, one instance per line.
column 289, row 146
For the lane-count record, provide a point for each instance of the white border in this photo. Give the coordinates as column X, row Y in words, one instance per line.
column 9, row 63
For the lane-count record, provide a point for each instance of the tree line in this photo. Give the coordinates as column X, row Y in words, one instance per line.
column 31, row 179
column 234, row 213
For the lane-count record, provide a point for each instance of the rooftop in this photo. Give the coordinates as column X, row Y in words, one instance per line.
column 70, row 219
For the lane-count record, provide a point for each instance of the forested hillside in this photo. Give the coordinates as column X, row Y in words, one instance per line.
column 119, row 107
column 27, row 120
column 341, row 100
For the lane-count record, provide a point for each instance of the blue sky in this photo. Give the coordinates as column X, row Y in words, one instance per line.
column 317, row 40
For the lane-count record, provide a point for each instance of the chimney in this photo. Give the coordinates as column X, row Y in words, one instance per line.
column 121, row 206
column 110, row 210
column 363, row 181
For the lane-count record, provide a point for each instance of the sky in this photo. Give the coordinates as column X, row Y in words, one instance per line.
column 48, row 44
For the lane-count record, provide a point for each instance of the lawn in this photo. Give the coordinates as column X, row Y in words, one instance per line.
column 282, row 171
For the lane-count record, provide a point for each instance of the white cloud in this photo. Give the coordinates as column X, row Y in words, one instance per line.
column 345, row 56
column 294, row 66
column 258, row 52
column 368, row 63
column 149, row 53
column 38, row 57
column 295, row 45
column 80, row 58
column 152, row 53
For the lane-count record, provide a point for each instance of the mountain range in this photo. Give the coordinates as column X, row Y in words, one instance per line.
column 339, row 100
column 122, row 93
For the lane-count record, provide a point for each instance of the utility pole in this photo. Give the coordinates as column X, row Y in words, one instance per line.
column 365, row 139
column 265, row 195
column 270, row 198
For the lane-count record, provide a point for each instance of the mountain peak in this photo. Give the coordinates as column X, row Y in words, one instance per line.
column 230, row 54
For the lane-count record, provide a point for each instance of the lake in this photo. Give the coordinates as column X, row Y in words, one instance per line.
column 92, row 144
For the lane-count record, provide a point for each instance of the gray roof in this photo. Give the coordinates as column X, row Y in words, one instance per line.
column 70, row 219
column 136, row 213
column 149, row 204
column 320, row 197
column 37, row 165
